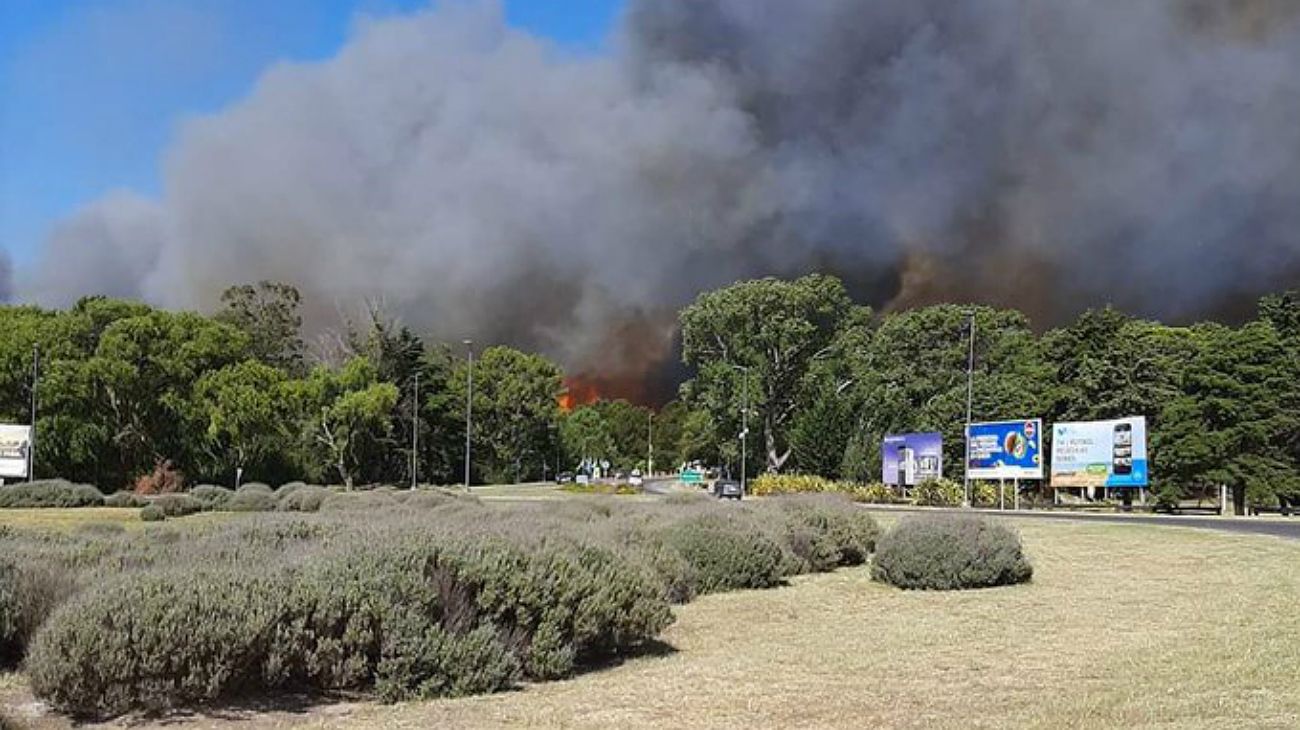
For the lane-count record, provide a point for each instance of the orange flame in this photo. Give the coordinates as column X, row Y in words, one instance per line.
column 578, row 392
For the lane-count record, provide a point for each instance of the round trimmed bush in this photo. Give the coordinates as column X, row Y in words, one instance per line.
column 214, row 498
column 10, row 613
column 307, row 498
column 943, row 553
column 154, row 642
column 177, row 505
column 126, row 500
column 828, row 531
column 253, row 498
column 28, row 594
column 726, row 556
column 288, row 488
column 152, row 513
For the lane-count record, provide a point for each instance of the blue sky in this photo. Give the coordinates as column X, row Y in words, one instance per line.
column 91, row 91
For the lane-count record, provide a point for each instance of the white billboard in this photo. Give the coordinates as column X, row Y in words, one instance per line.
column 15, row 450
column 1100, row 453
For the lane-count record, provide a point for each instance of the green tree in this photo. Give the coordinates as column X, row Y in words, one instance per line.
column 667, row 430
column 585, row 434
column 143, row 374
column 247, row 417
column 776, row 329
column 629, row 431
column 344, row 412
column 827, row 419
column 912, row 376
column 1235, row 418
column 516, row 409
column 268, row 312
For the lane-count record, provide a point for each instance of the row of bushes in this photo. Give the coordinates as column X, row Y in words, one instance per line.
column 410, row 616
column 253, row 497
column 50, row 493
column 934, row 493
column 457, row 599
column 619, row 489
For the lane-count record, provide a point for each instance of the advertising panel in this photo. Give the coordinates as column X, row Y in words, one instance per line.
column 1006, row 450
column 15, row 445
column 912, row 458
column 1100, row 453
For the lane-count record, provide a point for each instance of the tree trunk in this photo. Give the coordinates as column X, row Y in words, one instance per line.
column 774, row 460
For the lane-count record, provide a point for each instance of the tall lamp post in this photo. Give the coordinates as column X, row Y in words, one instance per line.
column 744, row 425
column 31, row 445
column 970, row 391
column 469, row 410
column 650, row 443
column 415, row 433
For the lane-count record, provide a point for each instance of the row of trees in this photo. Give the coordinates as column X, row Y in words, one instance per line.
column 125, row 387
column 827, row 379
column 126, row 390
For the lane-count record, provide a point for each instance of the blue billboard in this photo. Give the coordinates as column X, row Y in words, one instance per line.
column 911, row 458
column 1005, row 450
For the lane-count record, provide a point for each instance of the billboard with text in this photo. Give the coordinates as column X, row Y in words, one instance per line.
column 1100, row 453
column 1006, row 450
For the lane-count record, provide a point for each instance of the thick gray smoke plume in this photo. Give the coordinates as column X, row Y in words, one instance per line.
column 1044, row 154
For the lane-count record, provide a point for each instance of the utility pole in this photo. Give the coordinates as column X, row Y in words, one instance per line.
column 415, row 433
column 970, row 391
column 469, row 410
column 31, row 446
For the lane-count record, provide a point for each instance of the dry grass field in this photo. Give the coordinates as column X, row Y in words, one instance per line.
column 1123, row 627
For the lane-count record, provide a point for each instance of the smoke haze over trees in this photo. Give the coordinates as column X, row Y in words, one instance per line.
column 1048, row 156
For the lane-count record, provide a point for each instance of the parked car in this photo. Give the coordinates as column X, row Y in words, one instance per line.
column 727, row 489
column 564, row 477
column 635, row 479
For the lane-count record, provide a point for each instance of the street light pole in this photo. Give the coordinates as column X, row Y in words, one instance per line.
column 469, row 410
column 970, row 391
column 31, row 446
column 744, row 425
column 650, row 443
column 415, row 433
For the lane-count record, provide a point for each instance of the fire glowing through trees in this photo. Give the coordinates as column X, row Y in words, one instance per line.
column 578, row 392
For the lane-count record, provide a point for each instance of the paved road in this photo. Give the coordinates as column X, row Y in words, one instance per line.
column 1278, row 527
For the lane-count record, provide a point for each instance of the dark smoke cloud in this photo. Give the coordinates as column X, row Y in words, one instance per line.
column 1046, row 155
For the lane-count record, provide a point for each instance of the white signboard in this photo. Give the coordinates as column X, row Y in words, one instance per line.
column 1100, row 453
column 15, row 450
